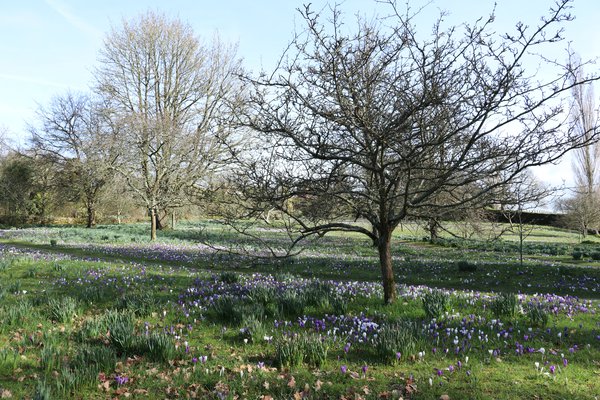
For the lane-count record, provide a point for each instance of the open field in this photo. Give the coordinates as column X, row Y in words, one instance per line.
column 103, row 313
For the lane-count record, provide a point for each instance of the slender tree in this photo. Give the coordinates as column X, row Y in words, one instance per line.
column 586, row 160
column 171, row 96
column 377, row 122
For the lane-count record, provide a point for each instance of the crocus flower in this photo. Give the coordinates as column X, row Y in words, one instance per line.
column 343, row 369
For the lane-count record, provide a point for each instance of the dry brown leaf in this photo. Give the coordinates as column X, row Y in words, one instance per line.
column 318, row 385
column 5, row 394
column 292, row 382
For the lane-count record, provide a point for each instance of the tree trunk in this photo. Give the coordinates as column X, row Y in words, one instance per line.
column 374, row 231
column 91, row 215
column 173, row 219
column 385, row 260
column 153, row 219
column 432, row 227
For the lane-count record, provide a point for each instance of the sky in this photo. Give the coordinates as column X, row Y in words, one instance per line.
column 50, row 46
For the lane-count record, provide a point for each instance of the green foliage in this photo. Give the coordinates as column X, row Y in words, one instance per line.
column 253, row 328
column 42, row 391
column 62, row 310
column 8, row 360
column 121, row 328
column 577, row 255
column 53, row 242
column 435, row 303
column 15, row 314
column 140, row 304
column 315, row 349
column 595, row 255
column 156, row 346
column 466, row 266
column 291, row 304
column 504, row 305
column 229, row 277
column 51, row 358
column 289, row 352
column 319, row 294
column 91, row 329
column 537, row 315
column 231, row 310
column 399, row 338
column 101, row 358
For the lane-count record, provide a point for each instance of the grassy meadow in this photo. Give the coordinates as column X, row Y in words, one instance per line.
column 103, row 313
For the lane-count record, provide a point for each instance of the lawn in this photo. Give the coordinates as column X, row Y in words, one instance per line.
column 103, row 314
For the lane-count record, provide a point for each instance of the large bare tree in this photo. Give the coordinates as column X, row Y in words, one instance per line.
column 75, row 137
column 171, row 95
column 380, row 122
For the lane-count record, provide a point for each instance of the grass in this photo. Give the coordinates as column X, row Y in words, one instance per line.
column 105, row 314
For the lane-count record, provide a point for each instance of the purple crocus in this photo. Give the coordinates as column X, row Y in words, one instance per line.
column 552, row 369
column 343, row 369
column 121, row 379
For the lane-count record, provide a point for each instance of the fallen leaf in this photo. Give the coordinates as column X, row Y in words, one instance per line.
column 318, row 384
column 5, row 394
column 292, row 382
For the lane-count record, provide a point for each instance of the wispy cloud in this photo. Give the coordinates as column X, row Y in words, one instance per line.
column 73, row 19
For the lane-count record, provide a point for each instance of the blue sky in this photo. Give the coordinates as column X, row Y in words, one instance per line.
column 50, row 46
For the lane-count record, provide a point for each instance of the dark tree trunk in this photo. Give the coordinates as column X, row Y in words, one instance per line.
column 153, row 220
column 385, row 260
column 91, row 215
column 433, row 228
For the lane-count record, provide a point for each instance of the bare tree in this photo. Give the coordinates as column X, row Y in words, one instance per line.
column 376, row 122
column 171, row 96
column 524, row 194
column 586, row 160
column 75, row 137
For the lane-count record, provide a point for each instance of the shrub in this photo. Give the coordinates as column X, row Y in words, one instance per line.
column 537, row 315
column 595, row 255
column 435, row 303
column 504, row 305
column 53, row 242
column 577, row 255
column 397, row 338
column 62, row 310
